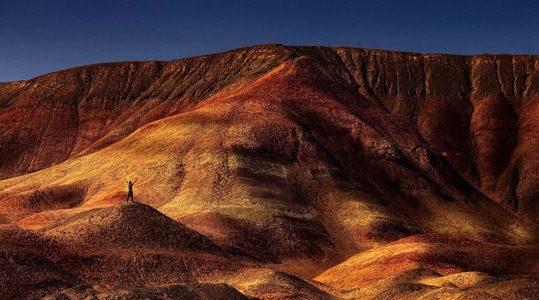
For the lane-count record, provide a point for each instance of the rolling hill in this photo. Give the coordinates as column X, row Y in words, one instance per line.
column 275, row 171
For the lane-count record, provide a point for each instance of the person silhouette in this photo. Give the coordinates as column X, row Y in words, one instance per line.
column 130, row 185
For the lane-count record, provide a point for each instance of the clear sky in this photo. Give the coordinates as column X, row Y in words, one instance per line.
column 38, row 36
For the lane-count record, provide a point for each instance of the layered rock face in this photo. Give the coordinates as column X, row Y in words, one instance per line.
column 51, row 118
column 272, row 160
column 477, row 111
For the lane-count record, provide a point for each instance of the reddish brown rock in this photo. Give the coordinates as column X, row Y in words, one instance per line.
column 290, row 159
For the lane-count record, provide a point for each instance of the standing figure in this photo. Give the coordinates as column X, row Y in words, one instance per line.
column 130, row 185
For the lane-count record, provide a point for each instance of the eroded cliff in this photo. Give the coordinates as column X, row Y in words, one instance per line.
column 285, row 160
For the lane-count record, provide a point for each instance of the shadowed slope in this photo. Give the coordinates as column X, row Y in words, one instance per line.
column 281, row 160
column 28, row 276
column 125, row 226
column 25, row 272
column 191, row 292
column 51, row 118
column 115, row 260
column 135, row 244
column 476, row 111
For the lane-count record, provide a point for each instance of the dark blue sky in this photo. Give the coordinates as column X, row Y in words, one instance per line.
column 37, row 37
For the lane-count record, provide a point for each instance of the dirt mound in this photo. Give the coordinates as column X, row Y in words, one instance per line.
column 135, row 245
column 270, row 284
column 194, row 291
column 131, row 225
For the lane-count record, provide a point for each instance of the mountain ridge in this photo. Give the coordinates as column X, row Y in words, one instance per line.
column 292, row 159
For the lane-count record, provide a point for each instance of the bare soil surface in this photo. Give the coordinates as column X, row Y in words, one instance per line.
column 273, row 172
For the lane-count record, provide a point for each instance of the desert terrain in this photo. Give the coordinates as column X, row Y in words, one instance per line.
column 273, row 172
